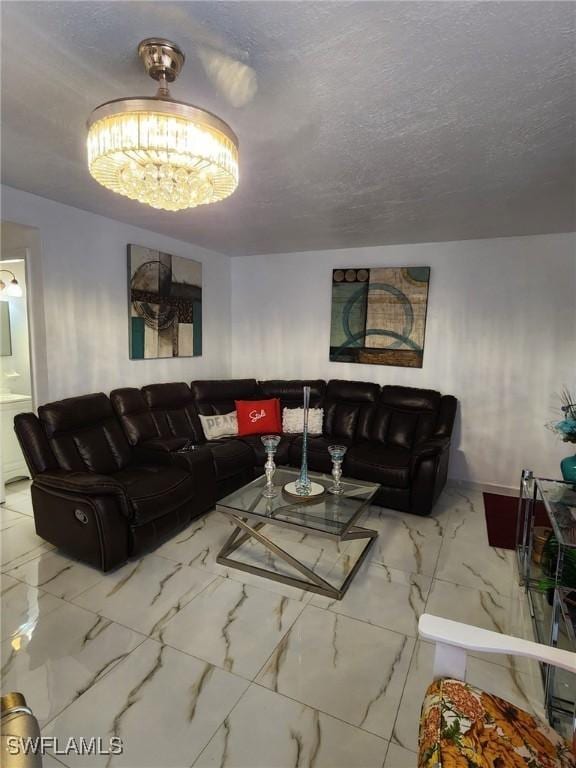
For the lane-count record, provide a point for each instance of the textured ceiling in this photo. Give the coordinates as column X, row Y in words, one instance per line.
column 372, row 122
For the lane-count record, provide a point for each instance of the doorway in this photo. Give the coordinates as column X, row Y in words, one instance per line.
column 16, row 369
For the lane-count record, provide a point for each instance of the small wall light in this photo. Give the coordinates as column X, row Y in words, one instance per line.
column 13, row 288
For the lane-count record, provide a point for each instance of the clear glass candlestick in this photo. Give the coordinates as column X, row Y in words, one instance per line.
column 303, row 484
column 270, row 443
column 337, row 455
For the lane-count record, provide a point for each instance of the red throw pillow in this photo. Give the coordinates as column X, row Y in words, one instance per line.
column 258, row 417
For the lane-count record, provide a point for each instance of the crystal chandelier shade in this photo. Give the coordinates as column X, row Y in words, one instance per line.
column 162, row 152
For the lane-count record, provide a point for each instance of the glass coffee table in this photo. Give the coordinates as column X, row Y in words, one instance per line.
column 328, row 515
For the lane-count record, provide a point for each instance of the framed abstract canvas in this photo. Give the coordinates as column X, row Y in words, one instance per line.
column 379, row 315
column 165, row 304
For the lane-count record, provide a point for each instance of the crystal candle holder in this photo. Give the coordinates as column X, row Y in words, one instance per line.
column 303, row 484
column 337, row 455
column 270, row 443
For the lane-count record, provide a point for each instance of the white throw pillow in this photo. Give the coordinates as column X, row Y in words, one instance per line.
column 293, row 421
column 222, row 425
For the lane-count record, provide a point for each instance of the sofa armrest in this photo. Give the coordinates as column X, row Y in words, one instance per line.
column 198, row 461
column 164, row 444
column 453, row 639
column 85, row 515
column 428, row 472
column 434, row 446
column 170, row 451
column 84, row 483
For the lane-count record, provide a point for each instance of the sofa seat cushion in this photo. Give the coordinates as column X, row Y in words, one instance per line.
column 318, row 457
column 378, row 463
column 259, row 454
column 154, row 491
column 231, row 457
column 462, row 726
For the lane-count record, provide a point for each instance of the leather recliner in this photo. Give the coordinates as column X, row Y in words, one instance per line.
column 346, row 404
column 218, row 397
column 290, row 395
column 112, row 477
column 403, row 443
column 396, row 436
column 97, row 498
column 163, row 417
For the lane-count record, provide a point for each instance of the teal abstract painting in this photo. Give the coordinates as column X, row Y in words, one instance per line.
column 165, row 304
column 379, row 315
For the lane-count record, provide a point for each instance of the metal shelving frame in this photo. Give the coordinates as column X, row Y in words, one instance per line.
column 553, row 624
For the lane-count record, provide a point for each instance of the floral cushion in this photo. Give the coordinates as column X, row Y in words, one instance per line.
column 464, row 727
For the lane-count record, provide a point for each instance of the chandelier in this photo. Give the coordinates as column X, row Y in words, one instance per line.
column 159, row 151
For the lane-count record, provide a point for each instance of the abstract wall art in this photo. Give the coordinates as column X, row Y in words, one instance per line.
column 165, row 304
column 379, row 315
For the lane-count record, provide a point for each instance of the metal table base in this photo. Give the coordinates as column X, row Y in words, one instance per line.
column 312, row 582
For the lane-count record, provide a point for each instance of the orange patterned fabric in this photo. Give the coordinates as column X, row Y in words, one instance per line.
column 464, row 727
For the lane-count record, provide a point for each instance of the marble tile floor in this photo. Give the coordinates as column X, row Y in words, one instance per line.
column 194, row 664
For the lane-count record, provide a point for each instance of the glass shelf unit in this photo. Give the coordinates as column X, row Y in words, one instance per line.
column 552, row 603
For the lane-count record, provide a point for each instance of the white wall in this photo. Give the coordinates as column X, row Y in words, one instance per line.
column 500, row 335
column 84, row 276
column 501, row 329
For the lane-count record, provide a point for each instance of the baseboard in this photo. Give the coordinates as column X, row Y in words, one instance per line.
column 503, row 490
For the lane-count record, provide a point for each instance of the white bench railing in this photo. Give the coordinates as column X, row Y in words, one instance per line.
column 453, row 641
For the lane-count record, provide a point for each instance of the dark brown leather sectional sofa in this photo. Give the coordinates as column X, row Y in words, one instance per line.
column 112, row 477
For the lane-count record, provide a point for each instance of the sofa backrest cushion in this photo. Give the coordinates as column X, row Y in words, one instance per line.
column 85, row 434
column 174, row 410
column 219, row 396
column 290, row 392
column 405, row 416
column 134, row 414
column 347, row 406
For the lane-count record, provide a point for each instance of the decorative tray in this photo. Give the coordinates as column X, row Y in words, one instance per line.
column 316, row 491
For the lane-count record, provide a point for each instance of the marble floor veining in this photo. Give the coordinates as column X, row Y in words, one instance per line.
column 191, row 663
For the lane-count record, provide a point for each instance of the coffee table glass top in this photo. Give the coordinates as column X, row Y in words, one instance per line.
column 329, row 514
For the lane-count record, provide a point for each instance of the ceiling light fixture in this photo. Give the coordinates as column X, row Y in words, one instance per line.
column 162, row 152
column 13, row 288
